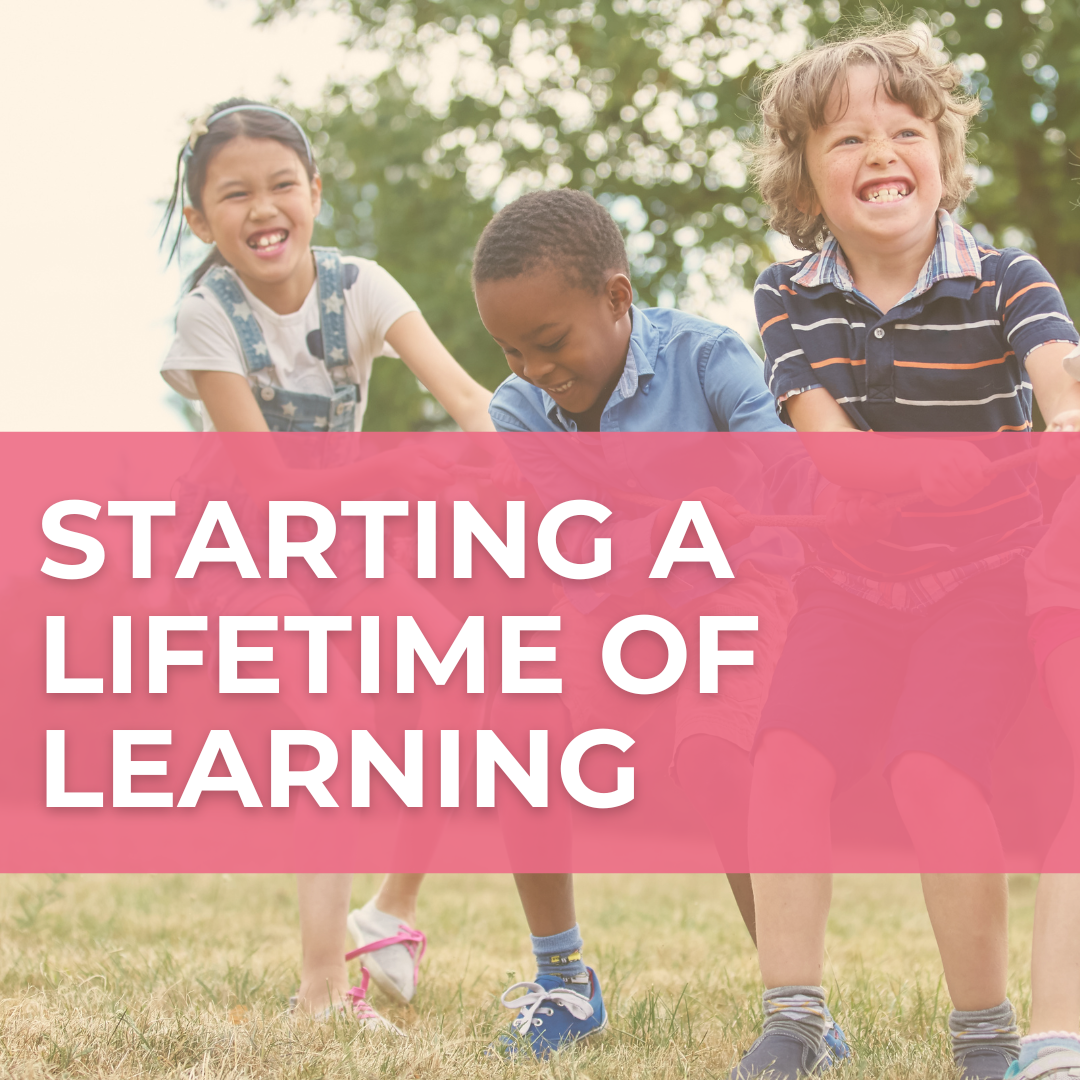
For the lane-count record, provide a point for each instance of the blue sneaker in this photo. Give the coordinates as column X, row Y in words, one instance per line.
column 551, row 1015
column 835, row 1041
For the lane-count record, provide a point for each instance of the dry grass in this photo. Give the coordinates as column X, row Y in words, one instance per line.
column 185, row 976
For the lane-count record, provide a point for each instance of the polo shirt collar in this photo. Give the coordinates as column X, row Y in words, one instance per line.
column 640, row 366
column 955, row 255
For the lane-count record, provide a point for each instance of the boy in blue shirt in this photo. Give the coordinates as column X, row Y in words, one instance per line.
column 897, row 321
column 552, row 287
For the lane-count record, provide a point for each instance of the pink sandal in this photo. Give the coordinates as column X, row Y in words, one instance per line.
column 355, row 1005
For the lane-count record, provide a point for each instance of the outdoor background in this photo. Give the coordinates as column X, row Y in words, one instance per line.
column 187, row 978
column 427, row 116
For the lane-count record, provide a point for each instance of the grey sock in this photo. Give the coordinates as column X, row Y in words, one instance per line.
column 797, row 1010
column 985, row 1041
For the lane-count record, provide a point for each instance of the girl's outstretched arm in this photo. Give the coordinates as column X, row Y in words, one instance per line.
column 229, row 401
column 428, row 359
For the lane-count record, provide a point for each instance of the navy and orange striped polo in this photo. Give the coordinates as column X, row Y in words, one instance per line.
column 948, row 357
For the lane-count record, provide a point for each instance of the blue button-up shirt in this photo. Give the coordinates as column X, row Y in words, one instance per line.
column 682, row 373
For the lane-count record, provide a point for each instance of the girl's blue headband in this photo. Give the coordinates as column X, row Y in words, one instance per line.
column 202, row 126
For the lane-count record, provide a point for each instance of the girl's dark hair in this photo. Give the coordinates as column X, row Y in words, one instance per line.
column 194, row 160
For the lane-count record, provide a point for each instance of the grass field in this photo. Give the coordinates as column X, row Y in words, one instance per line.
column 185, row 976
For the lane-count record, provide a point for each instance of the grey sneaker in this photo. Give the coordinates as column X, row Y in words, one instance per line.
column 392, row 950
column 985, row 1063
column 781, row 1055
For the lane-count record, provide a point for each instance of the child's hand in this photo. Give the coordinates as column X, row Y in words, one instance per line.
column 857, row 517
column 1059, row 453
column 953, row 472
column 1065, row 421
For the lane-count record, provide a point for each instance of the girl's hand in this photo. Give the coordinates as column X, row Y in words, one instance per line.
column 953, row 472
column 1059, row 449
column 450, row 384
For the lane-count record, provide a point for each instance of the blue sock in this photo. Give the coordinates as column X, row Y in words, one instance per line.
column 1030, row 1045
column 560, row 954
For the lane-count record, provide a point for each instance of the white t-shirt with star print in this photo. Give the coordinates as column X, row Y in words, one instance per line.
column 206, row 341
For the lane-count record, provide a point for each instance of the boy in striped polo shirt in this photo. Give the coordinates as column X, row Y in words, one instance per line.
column 896, row 321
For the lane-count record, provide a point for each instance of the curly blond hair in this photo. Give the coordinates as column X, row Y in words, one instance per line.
column 796, row 96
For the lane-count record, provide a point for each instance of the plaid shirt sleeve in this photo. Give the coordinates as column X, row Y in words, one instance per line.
column 787, row 367
column 1031, row 307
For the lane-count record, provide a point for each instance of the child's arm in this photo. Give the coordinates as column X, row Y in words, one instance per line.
column 451, row 385
column 1058, row 394
column 229, row 401
column 1055, row 389
column 949, row 472
column 232, row 407
column 817, row 410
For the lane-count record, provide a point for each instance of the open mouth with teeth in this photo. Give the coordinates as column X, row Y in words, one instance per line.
column 886, row 191
column 558, row 388
column 268, row 242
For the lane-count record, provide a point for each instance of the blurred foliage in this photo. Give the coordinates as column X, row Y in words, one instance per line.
column 461, row 105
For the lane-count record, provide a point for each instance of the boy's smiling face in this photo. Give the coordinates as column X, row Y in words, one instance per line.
column 876, row 169
column 559, row 336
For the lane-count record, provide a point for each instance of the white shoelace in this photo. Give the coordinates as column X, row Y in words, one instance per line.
column 533, row 1001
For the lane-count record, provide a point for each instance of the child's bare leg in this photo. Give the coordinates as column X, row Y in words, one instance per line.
column 792, row 782
column 969, row 914
column 939, row 805
column 397, row 896
column 1055, row 954
column 1055, row 949
column 324, row 905
column 792, row 910
column 548, row 902
column 716, row 776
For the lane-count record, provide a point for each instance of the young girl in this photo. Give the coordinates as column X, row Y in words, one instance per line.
column 277, row 336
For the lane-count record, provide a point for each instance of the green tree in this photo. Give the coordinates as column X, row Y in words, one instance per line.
column 1023, row 60
column 646, row 103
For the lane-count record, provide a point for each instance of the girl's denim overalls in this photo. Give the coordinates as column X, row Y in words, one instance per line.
column 288, row 410
column 213, row 476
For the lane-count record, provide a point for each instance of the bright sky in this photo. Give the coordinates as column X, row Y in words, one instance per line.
column 96, row 100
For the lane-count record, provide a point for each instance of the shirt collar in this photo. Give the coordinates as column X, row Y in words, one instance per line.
column 955, row 255
column 639, row 367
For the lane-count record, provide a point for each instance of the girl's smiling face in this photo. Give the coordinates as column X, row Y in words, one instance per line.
column 259, row 207
column 876, row 169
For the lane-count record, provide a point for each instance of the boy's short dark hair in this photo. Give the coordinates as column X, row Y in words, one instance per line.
column 568, row 231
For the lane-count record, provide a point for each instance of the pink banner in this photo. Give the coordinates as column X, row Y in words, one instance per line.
column 612, row 652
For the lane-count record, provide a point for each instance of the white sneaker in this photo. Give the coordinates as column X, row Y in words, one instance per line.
column 392, row 950
column 1053, row 1063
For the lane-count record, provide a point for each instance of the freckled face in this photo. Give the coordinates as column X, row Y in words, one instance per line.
column 876, row 168
column 567, row 340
